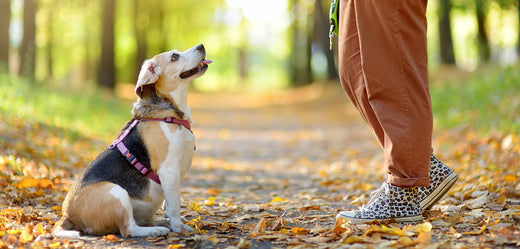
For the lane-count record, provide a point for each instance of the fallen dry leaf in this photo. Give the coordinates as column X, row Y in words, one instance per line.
column 299, row 231
column 259, row 227
column 272, row 175
column 111, row 237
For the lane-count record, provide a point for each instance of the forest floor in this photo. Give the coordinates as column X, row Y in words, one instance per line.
column 272, row 171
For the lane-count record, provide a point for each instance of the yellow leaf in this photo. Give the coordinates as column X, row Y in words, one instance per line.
column 352, row 239
column 28, row 182
column 31, row 182
column 425, row 227
column 13, row 231
column 322, row 173
column 195, row 219
column 277, row 199
column 40, row 229
column 299, row 231
column 475, row 232
column 385, row 230
column 111, row 237
column 38, row 193
column 26, row 235
column 210, row 201
column 194, row 206
column 195, row 224
column 510, row 178
column 55, row 244
column 213, row 191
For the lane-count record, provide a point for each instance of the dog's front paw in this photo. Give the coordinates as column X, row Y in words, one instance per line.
column 155, row 231
column 179, row 227
column 160, row 231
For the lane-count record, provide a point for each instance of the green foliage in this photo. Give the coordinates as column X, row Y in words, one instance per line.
column 488, row 102
column 88, row 114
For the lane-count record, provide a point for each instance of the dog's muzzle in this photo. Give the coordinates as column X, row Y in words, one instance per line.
column 203, row 65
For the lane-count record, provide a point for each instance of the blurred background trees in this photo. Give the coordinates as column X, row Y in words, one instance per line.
column 255, row 44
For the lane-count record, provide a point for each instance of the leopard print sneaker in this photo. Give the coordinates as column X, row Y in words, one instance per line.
column 389, row 203
column 442, row 179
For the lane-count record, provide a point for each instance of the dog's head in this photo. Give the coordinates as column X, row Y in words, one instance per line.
column 170, row 69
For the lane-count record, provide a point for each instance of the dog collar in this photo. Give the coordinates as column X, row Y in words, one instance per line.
column 118, row 143
column 172, row 120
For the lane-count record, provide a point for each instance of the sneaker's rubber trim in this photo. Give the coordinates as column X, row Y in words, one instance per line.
column 406, row 220
column 439, row 192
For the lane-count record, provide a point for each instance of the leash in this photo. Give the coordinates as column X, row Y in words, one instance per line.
column 334, row 19
column 118, row 143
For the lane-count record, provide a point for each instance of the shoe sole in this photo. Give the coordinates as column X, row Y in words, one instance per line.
column 439, row 192
column 405, row 220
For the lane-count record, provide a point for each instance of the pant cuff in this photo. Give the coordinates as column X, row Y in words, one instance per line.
column 408, row 182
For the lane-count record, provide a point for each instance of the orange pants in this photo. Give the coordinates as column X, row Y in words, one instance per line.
column 383, row 67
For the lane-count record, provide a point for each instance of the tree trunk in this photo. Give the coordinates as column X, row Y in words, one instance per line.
column 106, row 73
column 5, row 18
column 482, row 36
column 243, row 62
column 49, row 48
column 321, row 37
column 446, row 42
column 141, row 22
column 28, row 47
column 518, row 31
column 300, row 53
column 163, row 29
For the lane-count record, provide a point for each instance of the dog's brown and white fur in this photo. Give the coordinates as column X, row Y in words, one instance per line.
column 112, row 196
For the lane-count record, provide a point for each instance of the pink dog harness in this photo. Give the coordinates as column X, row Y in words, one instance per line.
column 118, row 143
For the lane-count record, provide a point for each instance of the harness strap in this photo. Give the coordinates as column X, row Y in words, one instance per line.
column 118, row 143
column 173, row 120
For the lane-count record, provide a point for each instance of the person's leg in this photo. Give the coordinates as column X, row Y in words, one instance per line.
column 383, row 70
column 350, row 67
column 383, row 61
column 386, row 79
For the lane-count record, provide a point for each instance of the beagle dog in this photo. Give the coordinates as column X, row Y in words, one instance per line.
column 122, row 189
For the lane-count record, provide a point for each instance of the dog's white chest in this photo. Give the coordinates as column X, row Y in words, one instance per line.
column 181, row 144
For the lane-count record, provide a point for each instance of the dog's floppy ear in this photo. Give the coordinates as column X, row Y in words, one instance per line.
column 149, row 74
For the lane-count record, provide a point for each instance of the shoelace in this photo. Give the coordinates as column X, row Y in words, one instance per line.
column 374, row 196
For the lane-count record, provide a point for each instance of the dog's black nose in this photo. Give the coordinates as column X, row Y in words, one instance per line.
column 200, row 47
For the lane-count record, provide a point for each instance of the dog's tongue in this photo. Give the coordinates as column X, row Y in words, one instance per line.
column 206, row 61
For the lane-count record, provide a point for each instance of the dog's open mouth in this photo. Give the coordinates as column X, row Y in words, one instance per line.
column 201, row 67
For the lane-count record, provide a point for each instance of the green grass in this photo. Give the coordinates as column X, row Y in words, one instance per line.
column 488, row 102
column 87, row 114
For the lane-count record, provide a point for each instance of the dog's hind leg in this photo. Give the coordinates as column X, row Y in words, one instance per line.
column 62, row 229
column 103, row 208
column 127, row 224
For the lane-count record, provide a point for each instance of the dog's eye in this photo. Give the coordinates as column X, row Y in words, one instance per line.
column 175, row 57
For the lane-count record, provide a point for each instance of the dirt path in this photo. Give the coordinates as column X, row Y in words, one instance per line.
column 248, row 156
column 272, row 171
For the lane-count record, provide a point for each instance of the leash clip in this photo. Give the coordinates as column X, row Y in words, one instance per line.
column 334, row 18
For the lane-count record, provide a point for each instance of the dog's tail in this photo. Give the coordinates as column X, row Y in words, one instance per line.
column 63, row 229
